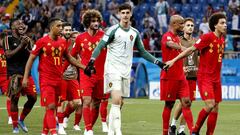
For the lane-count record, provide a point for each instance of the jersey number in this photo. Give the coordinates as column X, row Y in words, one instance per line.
column 4, row 64
column 56, row 61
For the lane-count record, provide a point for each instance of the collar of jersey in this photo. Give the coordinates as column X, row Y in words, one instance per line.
column 124, row 28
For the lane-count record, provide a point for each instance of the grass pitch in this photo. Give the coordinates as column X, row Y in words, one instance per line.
column 139, row 117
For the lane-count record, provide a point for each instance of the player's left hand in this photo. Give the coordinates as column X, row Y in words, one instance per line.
column 90, row 69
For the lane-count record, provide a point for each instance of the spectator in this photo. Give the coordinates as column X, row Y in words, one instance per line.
column 112, row 6
column 59, row 10
column 235, row 20
column 161, row 10
column 203, row 27
column 151, row 20
column 27, row 17
column 69, row 13
column 4, row 24
column 146, row 42
column 87, row 4
column 209, row 11
column 114, row 17
column 130, row 3
column 233, row 5
column 222, row 10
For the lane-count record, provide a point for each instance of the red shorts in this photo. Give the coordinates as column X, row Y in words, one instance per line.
column 210, row 90
column 173, row 89
column 70, row 90
column 50, row 94
column 192, row 89
column 92, row 86
column 4, row 84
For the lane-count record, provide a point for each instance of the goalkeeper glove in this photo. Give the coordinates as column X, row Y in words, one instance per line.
column 160, row 64
column 90, row 68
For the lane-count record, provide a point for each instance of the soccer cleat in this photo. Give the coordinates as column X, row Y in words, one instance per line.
column 65, row 122
column 77, row 128
column 182, row 133
column 22, row 125
column 89, row 132
column 15, row 130
column 172, row 130
column 104, row 127
column 118, row 132
column 61, row 131
column 9, row 120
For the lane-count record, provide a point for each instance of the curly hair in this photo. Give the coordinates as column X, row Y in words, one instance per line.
column 90, row 14
column 214, row 18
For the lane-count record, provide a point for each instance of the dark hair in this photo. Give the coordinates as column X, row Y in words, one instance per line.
column 89, row 14
column 189, row 19
column 12, row 21
column 52, row 21
column 124, row 6
column 65, row 24
column 214, row 18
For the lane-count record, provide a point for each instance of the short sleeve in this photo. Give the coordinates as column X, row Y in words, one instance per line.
column 202, row 43
column 165, row 39
column 76, row 46
column 37, row 47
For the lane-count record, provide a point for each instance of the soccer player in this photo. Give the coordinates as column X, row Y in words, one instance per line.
column 69, row 87
column 120, row 40
column 71, row 74
column 173, row 82
column 17, row 49
column 50, row 49
column 91, row 87
column 211, row 47
column 190, row 66
column 3, row 78
column 103, row 112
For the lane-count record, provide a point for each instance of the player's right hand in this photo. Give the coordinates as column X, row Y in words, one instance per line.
column 25, row 82
column 89, row 70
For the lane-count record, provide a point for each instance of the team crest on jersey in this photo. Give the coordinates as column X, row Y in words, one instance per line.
column 131, row 37
column 49, row 44
column 205, row 94
column 110, row 85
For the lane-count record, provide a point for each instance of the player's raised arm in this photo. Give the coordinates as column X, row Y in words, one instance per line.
column 146, row 55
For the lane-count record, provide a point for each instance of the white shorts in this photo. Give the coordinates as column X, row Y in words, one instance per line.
column 116, row 83
column 162, row 20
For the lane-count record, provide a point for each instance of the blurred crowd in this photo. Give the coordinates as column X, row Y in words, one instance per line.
column 152, row 23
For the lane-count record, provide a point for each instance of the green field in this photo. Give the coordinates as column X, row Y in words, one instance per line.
column 139, row 117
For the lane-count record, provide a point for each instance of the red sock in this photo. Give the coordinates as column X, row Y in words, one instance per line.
column 45, row 128
column 14, row 116
column 103, row 111
column 8, row 104
column 187, row 114
column 69, row 110
column 211, row 123
column 87, row 118
column 24, row 113
column 78, row 117
column 60, row 116
column 201, row 118
column 51, row 120
column 95, row 113
column 165, row 117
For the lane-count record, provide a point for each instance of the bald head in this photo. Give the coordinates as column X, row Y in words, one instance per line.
column 176, row 23
column 176, row 19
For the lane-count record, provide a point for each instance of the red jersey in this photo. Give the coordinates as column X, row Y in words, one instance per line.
column 211, row 51
column 50, row 59
column 85, row 45
column 176, row 71
column 3, row 63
